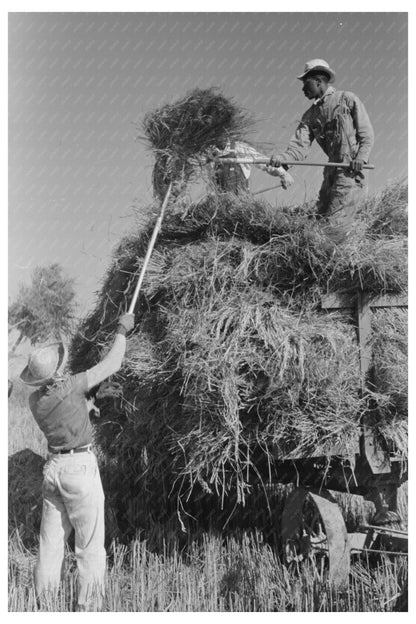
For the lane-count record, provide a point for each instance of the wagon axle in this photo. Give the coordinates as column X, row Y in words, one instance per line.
column 313, row 528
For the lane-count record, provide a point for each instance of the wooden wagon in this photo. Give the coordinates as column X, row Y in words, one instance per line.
column 312, row 522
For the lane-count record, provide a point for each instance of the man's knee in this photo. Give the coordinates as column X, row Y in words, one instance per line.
column 344, row 193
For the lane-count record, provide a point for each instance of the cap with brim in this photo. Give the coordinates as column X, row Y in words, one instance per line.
column 44, row 363
column 317, row 65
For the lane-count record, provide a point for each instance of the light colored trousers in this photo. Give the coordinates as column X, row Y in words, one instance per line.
column 73, row 498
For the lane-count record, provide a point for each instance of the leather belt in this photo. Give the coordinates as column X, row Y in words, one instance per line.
column 80, row 449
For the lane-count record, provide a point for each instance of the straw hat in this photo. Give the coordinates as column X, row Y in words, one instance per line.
column 44, row 363
column 317, row 65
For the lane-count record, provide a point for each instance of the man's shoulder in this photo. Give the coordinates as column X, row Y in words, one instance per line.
column 71, row 383
column 340, row 94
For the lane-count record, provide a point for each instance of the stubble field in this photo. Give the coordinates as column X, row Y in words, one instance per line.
column 164, row 571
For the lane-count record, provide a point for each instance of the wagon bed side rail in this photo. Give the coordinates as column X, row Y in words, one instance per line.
column 377, row 457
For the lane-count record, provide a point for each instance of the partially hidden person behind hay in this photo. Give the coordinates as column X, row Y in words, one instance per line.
column 73, row 496
column 339, row 123
column 234, row 177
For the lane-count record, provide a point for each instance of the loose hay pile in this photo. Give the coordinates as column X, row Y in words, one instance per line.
column 233, row 364
column 180, row 133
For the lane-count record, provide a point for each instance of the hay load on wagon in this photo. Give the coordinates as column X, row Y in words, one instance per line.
column 233, row 364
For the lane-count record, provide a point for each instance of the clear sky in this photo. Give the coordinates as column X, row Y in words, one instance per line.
column 80, row 84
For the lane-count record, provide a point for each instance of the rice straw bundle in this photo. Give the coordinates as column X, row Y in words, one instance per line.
column 180, row 133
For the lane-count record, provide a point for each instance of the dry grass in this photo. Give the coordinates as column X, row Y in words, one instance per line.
column 387, row 214
column 389, row 374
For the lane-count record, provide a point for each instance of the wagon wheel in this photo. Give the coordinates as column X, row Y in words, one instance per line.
column 313, row 530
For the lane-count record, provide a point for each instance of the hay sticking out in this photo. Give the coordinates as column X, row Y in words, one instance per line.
column 387, row 214
column 282, row 250
column 141, row 357
column 255, row 376
column 389, row 347
column 180, row 133
column 390, row 375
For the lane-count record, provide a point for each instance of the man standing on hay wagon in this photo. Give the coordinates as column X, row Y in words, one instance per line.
column 339, row 122
column 73, row 496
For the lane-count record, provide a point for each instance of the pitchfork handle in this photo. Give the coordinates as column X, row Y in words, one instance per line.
column 259, row 160
column 149, row 250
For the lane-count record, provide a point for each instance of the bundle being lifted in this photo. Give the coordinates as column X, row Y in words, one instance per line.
column 180, row 134
column 233, row 365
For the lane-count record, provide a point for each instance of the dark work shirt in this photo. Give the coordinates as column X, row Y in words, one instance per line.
column 62, row 414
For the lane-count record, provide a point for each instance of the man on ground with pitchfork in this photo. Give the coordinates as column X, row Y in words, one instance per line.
column 73, row 496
